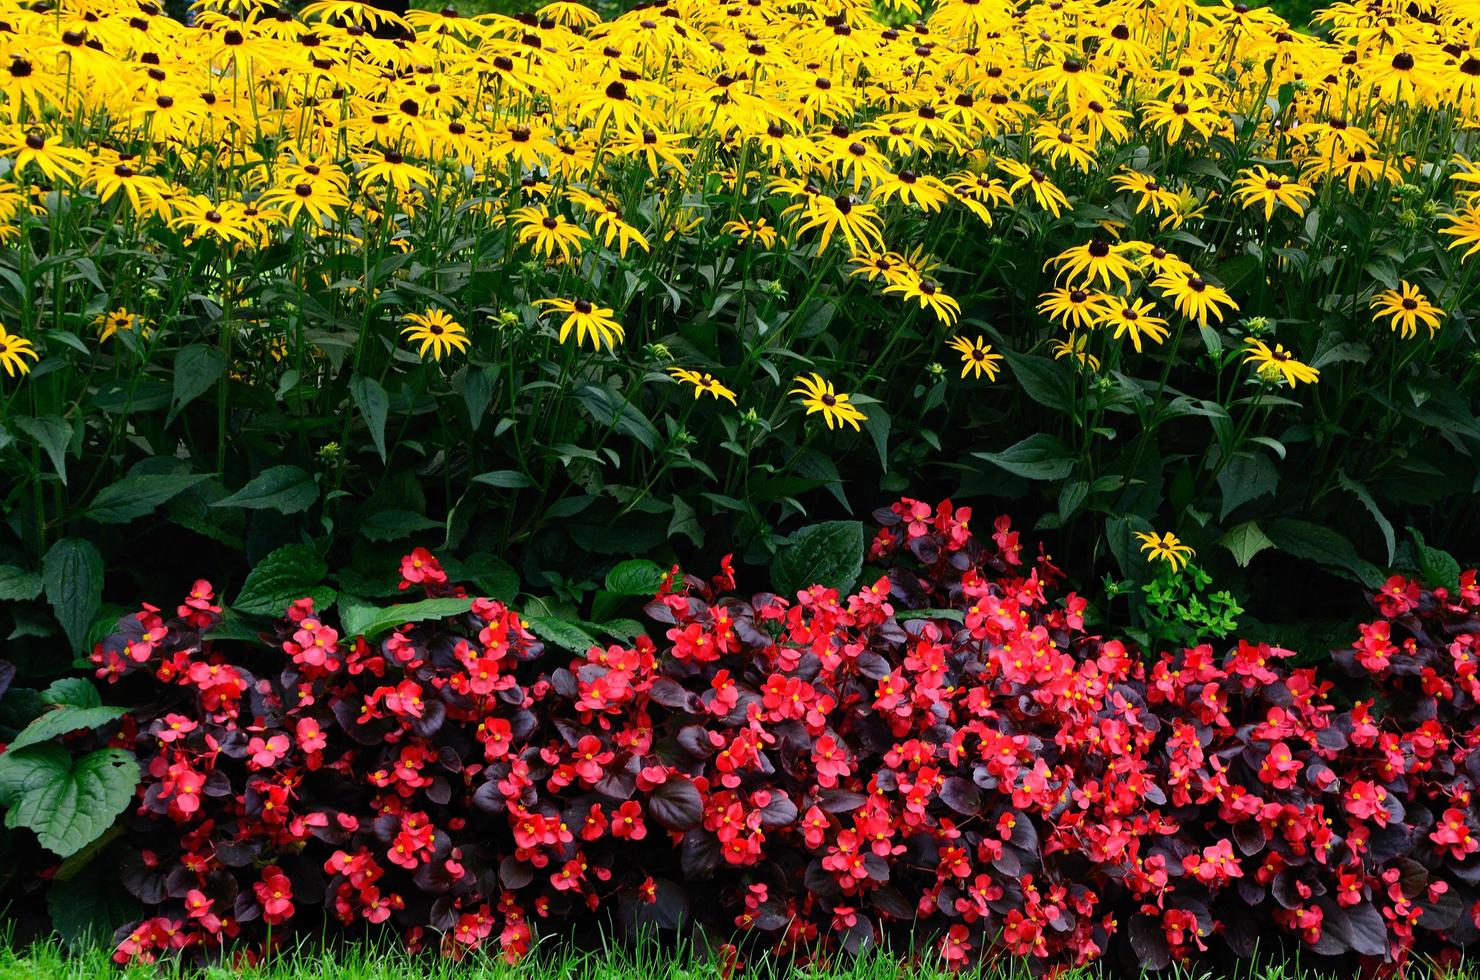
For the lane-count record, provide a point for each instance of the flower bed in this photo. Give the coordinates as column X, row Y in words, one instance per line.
column 947, row 750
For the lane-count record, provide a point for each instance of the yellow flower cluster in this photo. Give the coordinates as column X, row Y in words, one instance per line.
column 587, row 140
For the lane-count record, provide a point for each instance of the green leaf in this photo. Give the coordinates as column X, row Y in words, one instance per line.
column 392, row 525
column 53, row 435
column 1365, row 498
column 686, row 522
column 637, row 577
column 477, row 392
column 285, row 489
column 72, row 574
column 197, row 368
column 359, row 618
column 1047, row 382
column 375, row 405
column 67, row 803
column 493, row 577
column 607, row 408
column 74, row 692
column 284, row 576
column 60, row 721
column 953, row 615
column 1437, row 566
column 829, row 554
column 1038, row 457
column 504, row 479
column 18, row 585
column 1248, row 476
column 135, row 496
column 1314, row 542
column 565, row 635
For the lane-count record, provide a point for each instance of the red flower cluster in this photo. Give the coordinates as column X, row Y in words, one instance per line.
column 945, row 750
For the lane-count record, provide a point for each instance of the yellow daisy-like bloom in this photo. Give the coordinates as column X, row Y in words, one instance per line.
column 587, row 320
column 1464, row 228
column 1097, row 259
column 977, row 357
column 1407, row 307
column 1194, row 297
column 109, row 324
column 752, row 231
column 1075, row 348
column 1257, row 185
column 1278, row 363
column 436, row 331
column 550, row 234
column 1165, row 547
column 1073, row 309
column 820, row 396
column 13, row 353
column 929, row 295
column 703, row 383
column 1135, row 317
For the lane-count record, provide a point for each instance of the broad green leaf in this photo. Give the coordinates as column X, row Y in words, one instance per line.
column 565, row 635
column 477, row 392
column 492, row 576
column 67, row 802
column 285, row 489
column 637, row 577
column 1314, row 542
column 53, row 435
column 358, row 618
column 75, row 692
column 375, row 405
column 72, row 573
column 284, row 576
column 1245, row 541
column 608, row 408
column 1047, row 382
column 686, row 522
column 393, row 525
column 1248, row 476
column 1437, row 566
column 505, row 479
column 1038, row 457
column 60, row 721
column 197, row 368
column 18, row 585
column 135, row 496
column 829, row 554
column 1364, row 496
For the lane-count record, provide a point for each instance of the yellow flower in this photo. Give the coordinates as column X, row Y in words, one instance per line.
column 1074, row 348
column 437, row 331
column 976, row 357
column 703, row 383
column 1194, row 297
column 1165, row 547
column 820, row 396
column 858, row 222
column 1073, row 309
column 549, row 233
column 109, row 324
column 1256, row 186
column 1135, row 317
column 1278, row 363
column 586, row 318
column 752, row 231
column 929, row 295
column 1096, row 259
column 13, row 353
column 1407, row 307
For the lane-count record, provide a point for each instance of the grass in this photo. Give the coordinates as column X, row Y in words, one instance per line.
column 645, row 961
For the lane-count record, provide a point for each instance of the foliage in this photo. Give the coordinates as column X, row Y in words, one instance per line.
column 946, row 753
column 560, row 288
column 1179, row 608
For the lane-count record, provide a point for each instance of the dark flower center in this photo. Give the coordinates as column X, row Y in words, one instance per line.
column 582, row 306
column 1403, row 61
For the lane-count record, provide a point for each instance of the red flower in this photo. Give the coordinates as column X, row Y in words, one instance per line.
column 275, row 893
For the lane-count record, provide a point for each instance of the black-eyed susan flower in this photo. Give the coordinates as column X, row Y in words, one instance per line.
column 1277, row 363
column 819, row 395
column 1096, row 259
column 1406, row 308
column 977, row 357
column 1165, row 547
column 1258, row 186
column 1045, row 192
column 549, row 234
column 1134, row 318
column 1464, row 227
column 13, row 353
column 853, row 221
column 929, row 295
column 1073, row 309
column 109, row 324
column 48, row 154
column 757, row 231
column 1194, row 297
column 586, row 319
column 1076, row 348
column 703, row 383
column 437, row 332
